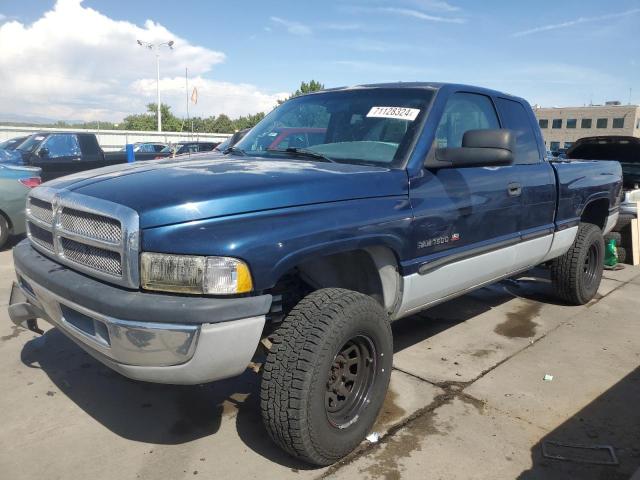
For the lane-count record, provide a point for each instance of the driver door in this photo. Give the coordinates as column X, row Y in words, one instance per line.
column 466, row 220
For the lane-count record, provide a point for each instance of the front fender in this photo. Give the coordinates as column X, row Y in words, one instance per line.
column 274, row 241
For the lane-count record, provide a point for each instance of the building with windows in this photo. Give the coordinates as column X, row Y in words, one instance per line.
column 561, row 127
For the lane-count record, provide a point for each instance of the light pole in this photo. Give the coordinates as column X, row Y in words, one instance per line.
column 156, row 47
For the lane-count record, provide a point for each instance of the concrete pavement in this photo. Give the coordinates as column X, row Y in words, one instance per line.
column 467, row 399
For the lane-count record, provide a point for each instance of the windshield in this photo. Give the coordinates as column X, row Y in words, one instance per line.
column 10, row 157
column 223, row 146
column 30, row 144
column 371, row 126
column 12, row 143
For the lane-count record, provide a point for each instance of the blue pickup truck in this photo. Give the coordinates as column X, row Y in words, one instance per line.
column 184, row 271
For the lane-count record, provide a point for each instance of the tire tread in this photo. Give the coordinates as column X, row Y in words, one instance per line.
column 290, row 366
column 565, row 270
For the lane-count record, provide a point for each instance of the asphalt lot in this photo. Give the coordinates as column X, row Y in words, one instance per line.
column 467, row 399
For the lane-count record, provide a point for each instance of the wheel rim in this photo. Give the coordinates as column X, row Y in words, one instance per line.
column 590, row 267
column 351, row 379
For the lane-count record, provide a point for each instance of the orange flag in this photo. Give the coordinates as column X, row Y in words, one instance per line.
column 194, row 95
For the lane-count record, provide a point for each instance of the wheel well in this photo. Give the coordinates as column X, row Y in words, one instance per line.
column 596, row 212
column 372, row 271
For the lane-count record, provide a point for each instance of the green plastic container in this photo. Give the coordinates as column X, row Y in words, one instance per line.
column 611, row 254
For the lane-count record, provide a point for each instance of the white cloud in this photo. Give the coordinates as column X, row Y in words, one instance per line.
column 435, row 5
column 221, row 97
column 74, row 63
column 576, row 21
column 407, row 12
column 2, row 17
column 294, row 28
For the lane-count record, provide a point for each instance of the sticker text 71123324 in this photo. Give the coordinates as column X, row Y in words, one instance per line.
column 400, row 113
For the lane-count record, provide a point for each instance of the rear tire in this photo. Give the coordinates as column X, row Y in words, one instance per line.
column 4, row 231
column 622, row 255
column 624, row 219
column 326, row 376
column 576, row 275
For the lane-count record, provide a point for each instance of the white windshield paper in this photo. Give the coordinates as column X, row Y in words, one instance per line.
column 400, row 113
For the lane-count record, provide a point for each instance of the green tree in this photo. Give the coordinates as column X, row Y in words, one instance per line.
column 247, row 122
column 222, row 124
column 312, row 86
column 149, row 120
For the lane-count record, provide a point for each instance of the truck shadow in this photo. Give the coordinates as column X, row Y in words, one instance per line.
column 154, row 413
column 534, row 286
column 612, row 419
column 172, row 415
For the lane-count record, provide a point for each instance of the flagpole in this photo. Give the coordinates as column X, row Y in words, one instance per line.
column 186, row 91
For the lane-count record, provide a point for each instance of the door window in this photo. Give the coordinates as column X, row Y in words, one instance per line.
column 62, row 145
column 515, row 118
column 464, row 111
column 146, row 148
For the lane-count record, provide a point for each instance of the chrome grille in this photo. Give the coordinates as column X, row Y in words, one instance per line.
column 92, row 257
column 91, row 235
column 91, row 225
column 40, row 236
column 41, row 210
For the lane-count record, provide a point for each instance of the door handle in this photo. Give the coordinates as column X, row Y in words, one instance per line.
column 514, row 189
column 76, row 159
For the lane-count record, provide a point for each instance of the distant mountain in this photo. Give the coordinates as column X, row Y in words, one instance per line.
column 14, row 118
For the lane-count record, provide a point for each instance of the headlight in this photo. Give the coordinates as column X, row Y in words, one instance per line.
column 193, row 274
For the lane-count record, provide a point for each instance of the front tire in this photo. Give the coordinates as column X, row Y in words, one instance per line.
column 326, row 376
column 576, row 275
column 4, row 230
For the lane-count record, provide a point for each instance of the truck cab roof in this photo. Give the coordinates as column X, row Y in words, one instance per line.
column 450, row 87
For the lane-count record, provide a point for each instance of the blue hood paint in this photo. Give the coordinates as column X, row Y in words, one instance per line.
column 177, row 191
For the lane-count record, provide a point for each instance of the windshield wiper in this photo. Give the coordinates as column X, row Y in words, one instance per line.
column 235, row 150
column 303, row 152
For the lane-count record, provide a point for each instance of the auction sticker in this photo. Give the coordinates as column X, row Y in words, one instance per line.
column 401, row 113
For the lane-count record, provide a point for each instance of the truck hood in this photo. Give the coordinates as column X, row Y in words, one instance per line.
column 175, row 191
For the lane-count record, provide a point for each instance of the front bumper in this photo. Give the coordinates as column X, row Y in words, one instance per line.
column 163, row 352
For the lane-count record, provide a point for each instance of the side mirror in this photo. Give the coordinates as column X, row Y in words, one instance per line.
column 43, row 152
column 480, row 148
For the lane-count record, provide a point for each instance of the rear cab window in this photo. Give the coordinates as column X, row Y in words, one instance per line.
column 89, row 146
column 515, row 117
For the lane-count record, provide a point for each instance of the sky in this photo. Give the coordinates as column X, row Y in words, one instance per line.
column 79, row 60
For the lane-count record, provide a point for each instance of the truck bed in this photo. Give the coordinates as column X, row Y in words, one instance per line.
column 582, row 181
